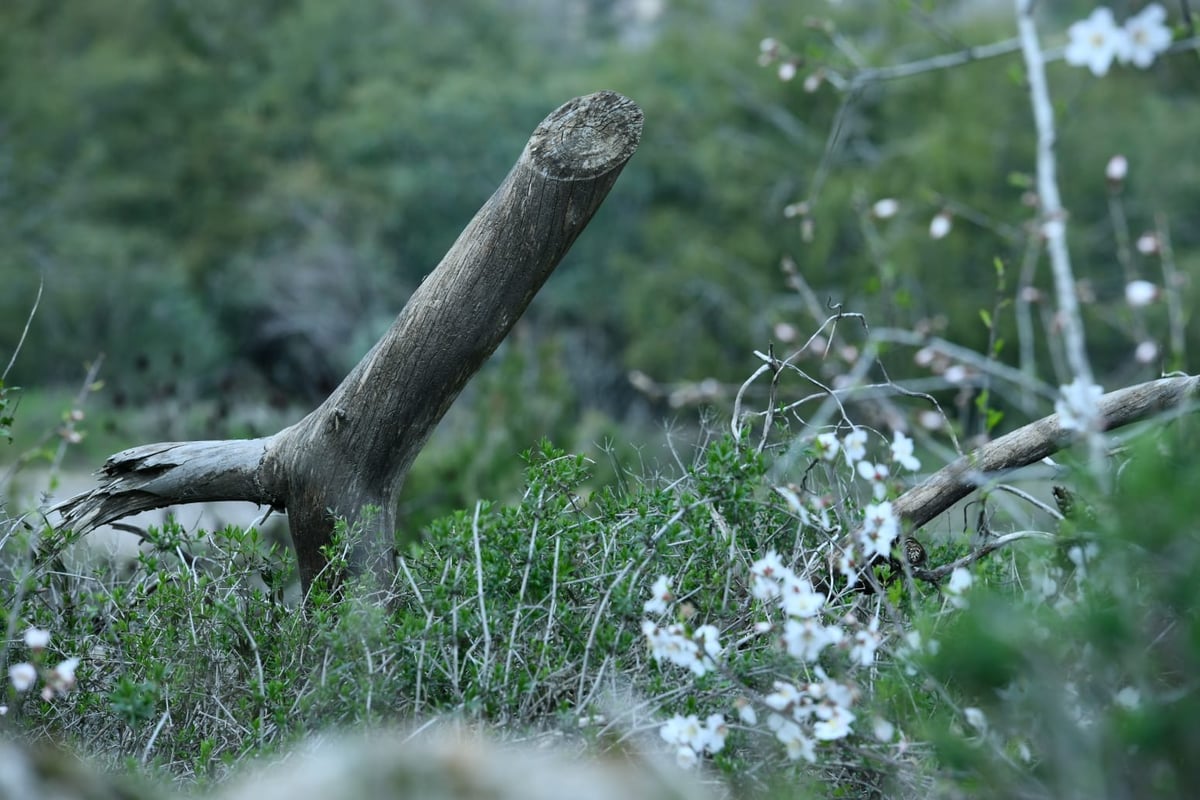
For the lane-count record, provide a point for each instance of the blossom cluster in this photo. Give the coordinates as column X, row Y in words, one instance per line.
column 881, row 526
column 821, row 708
column 24, row 675
column 696, row 651
column 691, row 737
column 823, row 704
column 1097, row 41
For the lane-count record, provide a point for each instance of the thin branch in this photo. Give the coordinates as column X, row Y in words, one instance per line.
column 933, row 64
column 1172, row 284
column 965, row 355
column 1028, row 498
column 1054, row 217
column 68, row 429
column 936, row 574
column 24, row 332
column 486, row 672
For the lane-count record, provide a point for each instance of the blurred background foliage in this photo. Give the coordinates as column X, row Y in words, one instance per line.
column 232, row 200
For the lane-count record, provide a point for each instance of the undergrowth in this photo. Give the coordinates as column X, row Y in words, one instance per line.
column 1065, row 670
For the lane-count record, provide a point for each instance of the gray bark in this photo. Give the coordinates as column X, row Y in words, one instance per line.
column 1024, row 446
column 356, row 448
column 1032, row 443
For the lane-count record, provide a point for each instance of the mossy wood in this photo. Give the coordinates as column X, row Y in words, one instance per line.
column 356, row 448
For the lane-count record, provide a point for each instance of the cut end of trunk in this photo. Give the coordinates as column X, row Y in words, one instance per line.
column 586, row 137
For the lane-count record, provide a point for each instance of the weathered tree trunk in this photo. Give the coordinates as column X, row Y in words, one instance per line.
column 356, row 448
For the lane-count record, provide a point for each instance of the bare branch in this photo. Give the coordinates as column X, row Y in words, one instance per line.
column 24, row 331
column 170, row 473
column 1034, row 442
column 936, row 574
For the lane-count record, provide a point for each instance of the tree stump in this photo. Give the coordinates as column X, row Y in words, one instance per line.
column 355, row 449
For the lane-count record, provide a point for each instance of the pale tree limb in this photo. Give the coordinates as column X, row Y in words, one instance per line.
column 1054, row 217
column 172, row 473
column 1035, row 441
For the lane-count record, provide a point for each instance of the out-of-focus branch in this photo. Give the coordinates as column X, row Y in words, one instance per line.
column 908, row 69
column 1054, row 217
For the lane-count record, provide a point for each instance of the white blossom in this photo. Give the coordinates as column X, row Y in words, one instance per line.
column 1129, row 697
column 693, row 737
column 940, row 225
column 746, row 712
column 930, row 420
column 866, row 641
column 1117, row 168
column 800, row 599
column 784, row 696
column 766, row 575
column 847, row 565
column 840, row 694
column 708, row 638
column 660, row 595
column 679, row 729
column 1094, row 42
column 976, row 719
column 798, row 745
column 877, row 474
column 880, row 530
column 64, row 673
column 827, row 445
column 804, row 639
column 686, row 757
column 712, row 734
column 22, row 676
column 883, row 730
column 1146, row 36
column 885, row 208
column 1140, row 293
column 956, row 374
column 1081, row 555
column 1146, row 351
column 794, row 502
column 960, row 581
column 854, row 445
column 835, row 722
column 902, row 452
column 673, row 644
column 787, row 70
column 37, row 639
